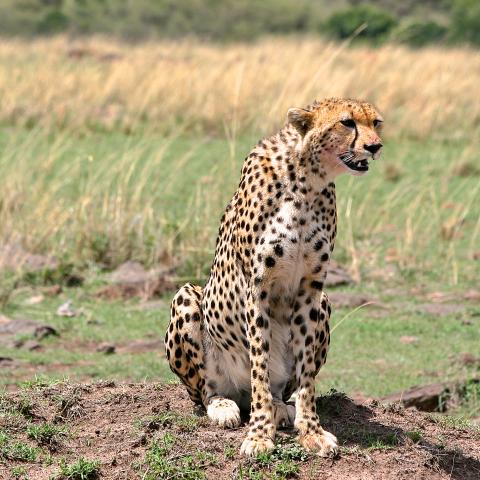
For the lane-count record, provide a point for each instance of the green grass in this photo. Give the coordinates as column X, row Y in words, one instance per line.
column 162, row 463
column 20, row 473
column 376, row 361
column 186, row 423
column 82, row 469
column 46, row 433
column 166, row 460
column 278, row 464
column 145, row 196
column 11, row 449
column 375, row 442
column 414, row 435
column 408, row 228
column 455, row 421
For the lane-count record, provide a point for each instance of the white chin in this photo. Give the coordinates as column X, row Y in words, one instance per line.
column 351, row 171
column 357, row 173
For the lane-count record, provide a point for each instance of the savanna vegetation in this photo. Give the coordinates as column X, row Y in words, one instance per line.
column 111, row 151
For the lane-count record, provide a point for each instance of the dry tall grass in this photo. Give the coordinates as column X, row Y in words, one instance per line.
column 71, row 188
column 216, row 89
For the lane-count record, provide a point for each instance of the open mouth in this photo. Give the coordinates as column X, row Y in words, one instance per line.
column 358, row 165
column 353, row 164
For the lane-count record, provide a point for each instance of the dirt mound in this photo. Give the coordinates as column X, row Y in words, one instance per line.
column 153, row 431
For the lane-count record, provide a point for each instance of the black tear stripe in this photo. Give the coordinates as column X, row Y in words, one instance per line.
column 355, row 139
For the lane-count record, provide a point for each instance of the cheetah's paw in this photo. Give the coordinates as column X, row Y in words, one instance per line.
column 224, row 412
column 252, row 446
column 325, row 444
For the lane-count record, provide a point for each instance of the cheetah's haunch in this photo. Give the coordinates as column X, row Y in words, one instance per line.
column 258, row 330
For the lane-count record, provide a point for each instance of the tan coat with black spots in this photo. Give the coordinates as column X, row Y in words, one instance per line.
column 258, row 330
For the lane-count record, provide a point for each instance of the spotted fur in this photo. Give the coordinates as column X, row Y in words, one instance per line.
column 259, row 329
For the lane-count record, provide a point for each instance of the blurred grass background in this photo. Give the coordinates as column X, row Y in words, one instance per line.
column 135, row 157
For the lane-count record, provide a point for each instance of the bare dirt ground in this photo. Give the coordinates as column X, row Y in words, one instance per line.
column 117, row 424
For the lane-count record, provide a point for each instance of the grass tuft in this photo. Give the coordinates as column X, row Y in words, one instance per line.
column 184, row 422
column 46, row 434
column 278, row 464
column 82, row 469
column 20, row 473
column 162, row 463
column 415, row 435
column 16, row 451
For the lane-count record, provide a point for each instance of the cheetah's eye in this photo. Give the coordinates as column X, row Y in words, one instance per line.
column 377, row 122
column 348, row 123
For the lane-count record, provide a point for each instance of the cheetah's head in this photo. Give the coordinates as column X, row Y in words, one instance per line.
column 340, row 134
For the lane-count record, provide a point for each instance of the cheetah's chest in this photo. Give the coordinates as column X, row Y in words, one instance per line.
column 297, row 245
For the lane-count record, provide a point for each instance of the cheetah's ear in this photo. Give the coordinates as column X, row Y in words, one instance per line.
column 301, row 119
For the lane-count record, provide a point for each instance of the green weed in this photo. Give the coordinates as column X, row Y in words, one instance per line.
column 230, row 452
column 82, row 469
column 415, row 435
column 454, row 421
column 17, row 451
column 161, row 464
column 46, row 433
column 384, row 442
column 39, row 382
column 20, row 473
column 184, row 422
column 278, row 464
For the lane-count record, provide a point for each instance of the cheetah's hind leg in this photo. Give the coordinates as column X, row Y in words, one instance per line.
column 183, row 340
column 185, row 353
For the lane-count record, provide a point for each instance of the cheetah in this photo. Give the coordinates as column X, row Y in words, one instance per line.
column 259, row 329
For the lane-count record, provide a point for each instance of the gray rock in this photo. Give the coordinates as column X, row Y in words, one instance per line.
column 428, row 398
column 14, row 257
column 337, row 275
column 106, row 348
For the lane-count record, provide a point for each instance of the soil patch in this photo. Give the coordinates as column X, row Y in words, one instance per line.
column 118, row 424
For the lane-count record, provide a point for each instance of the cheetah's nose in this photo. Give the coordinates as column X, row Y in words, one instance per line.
column 373, row 148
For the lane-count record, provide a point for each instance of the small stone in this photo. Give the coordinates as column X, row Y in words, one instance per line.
column 35, row 300
column 472, row 295
column 67, row 310
column 428, row 398
column 352, row 300
column 143, row 345
column 31, row 345
column 106, row 348
column 93, row 321
column 407, row 339
column 440, row 309
column 43, row 331
column 469, row 359
column 52, row 291
column 337, row 275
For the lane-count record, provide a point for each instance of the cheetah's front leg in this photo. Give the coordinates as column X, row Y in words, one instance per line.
column 305, row 345
column 261, row 431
